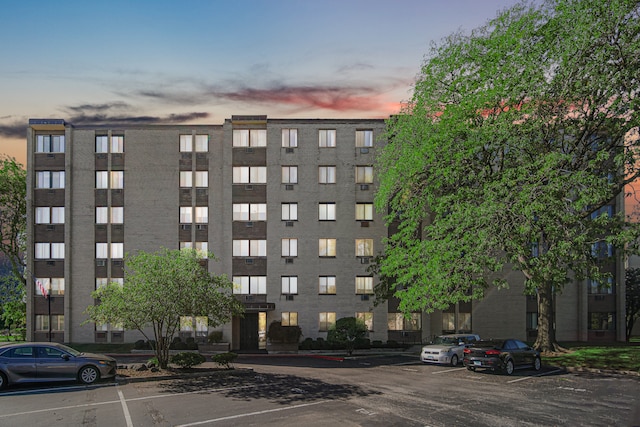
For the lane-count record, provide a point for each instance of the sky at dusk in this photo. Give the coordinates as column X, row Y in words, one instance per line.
column 160, row 61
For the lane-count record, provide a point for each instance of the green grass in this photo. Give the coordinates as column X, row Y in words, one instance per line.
column 614, row 357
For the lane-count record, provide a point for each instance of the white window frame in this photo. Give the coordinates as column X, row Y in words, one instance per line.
column 327, row 138
column 364, row 285
column 289, row 138
column 289, row 247
column 327, row 285
column 289, row 174
column 326, row 174
column 364, row 174
column 364, row 211
column 327, row 211
column 289, row 285
column 364, row 138
column 186, row 143
column 326, row 320
column 364, row 247
column 289, row 211
column 327, row 247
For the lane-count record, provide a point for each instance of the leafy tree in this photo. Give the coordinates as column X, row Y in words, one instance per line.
column 632, row 302
column 347, row 331
column 13, row 213
column 516, row 139
column 159, row 288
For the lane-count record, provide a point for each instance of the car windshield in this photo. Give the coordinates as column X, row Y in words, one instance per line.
column 446, row 340
column 69, row 350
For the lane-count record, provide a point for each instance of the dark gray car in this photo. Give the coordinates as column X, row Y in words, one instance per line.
column 502, row 355
column 45, row 362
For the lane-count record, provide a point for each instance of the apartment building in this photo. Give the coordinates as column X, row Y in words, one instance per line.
column 286, row 205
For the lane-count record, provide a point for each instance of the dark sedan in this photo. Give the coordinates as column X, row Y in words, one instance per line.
column 501, row 355
column 44, row 362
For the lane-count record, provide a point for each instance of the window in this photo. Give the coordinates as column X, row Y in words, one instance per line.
column 102, row 179
column 249, row 174
column 246, row 285
column 364, row 247
column 397, row 322
column 364, row 285
column 289, row 247
column 49, row 250
column 50, row 215
column 250, row 138
column 42, row 322
column 289, row 285
column 117, row 179
column 289, row 318
column 532, row 320
column 249, row 211
column 117, row 250
column 289, row 211
column 602, row 321
column 202, row 179
column 289, row 174
column 102, row 250
column 327, row 247
column 117, row 215
column 326, row 320
column 202, row 143
column 186, row 179
column 327, row 138
column 367, row 319
column 364, row 211
column 54, row 286
column 102, row 215
column 249, row 248
column 48, row 179
column 364, row 138
column 596, row 287
column 50, row 144
column 202, row 215
column 364, row 174
column 186, row 214
column 102, row 144
column 290, row 138
column 186, row 323
column 202, row 248
column 449, row 322
column 602, row 250
column 327, row 211
column 326, row 174
column 327, row 285
column 117, row 144
column 101, row 282
column 186, row 143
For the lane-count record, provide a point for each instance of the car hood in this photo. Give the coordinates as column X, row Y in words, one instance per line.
column 438, row 347
column 95, row 356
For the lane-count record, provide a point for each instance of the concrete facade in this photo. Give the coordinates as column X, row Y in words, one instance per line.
column 151, row 197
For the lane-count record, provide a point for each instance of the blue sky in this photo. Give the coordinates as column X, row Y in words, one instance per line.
column 202, row 61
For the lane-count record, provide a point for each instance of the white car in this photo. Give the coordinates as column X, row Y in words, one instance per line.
column 447, row 348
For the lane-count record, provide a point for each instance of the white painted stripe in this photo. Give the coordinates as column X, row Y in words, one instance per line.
column 125, row 409
column 534, row 376
column 447, row 370
column 251, row 414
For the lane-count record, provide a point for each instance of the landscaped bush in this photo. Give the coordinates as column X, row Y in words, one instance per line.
column 192, row 344
column 307, row 344
column 187, row 359
column 283, row 334
column 141, row 345
column 215, row 337
column 224, row 359
column 177, row 344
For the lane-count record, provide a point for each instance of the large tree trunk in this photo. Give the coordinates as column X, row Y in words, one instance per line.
column 546, row 340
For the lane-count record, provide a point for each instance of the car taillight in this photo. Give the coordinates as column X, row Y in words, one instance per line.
column 466, row 350
column 492, row 352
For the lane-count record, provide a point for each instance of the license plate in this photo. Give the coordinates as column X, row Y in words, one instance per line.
column 431, row 357
column 477, row 363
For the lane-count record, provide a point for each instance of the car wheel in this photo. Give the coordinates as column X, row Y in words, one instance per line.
column 471, row 368
column 454, row 360
column 509, row 367
column 537, row 364
column 3, row 381
column 88, row 375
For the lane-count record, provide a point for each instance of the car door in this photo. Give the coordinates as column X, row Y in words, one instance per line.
column 55, row 364
column 510, row 347
column 20, row 364
column 526, row 353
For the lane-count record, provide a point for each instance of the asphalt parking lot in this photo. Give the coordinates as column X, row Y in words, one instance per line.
column 364, row 391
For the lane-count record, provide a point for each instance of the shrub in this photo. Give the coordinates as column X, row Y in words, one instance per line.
column 215, row 337
column 307, row 344
column 187, row 360
column 140, row 345
column 346, row 332
column 224, row 359
column 284, row 334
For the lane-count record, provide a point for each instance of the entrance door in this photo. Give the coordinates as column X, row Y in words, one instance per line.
column 249, row 332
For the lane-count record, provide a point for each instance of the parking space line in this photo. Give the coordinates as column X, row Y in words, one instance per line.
column 250, row 414
column 446, row 370
column 535, row 376
column 125, row 409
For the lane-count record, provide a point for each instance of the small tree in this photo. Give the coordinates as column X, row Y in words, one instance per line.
column 158, row 289
column 632, row 305
column 346, row 332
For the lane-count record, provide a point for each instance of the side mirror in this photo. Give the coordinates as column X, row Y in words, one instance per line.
column 65, row 357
